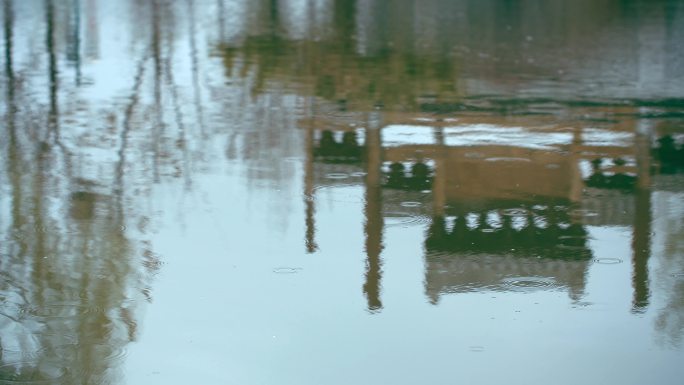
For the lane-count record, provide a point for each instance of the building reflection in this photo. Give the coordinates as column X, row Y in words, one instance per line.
column 507, row 178
column 498, row 211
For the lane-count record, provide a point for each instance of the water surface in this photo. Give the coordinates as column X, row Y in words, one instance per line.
column 341, row 192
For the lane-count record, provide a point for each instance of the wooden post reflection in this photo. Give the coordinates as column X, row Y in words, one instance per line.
column 440, row 174
column 641, row 236
column 577, row 183
column 373, row 212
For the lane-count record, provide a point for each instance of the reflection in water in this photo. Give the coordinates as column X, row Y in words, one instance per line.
column 75, row 264
column 499, row 150
column 374, row 221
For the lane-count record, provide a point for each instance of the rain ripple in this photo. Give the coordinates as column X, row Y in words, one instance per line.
column 404, row 219
column 529, row 284
column 608, row 261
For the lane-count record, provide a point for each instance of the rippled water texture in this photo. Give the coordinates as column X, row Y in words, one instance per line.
column 342, row 192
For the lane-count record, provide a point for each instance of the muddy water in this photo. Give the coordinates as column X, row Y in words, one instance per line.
column 341, row 192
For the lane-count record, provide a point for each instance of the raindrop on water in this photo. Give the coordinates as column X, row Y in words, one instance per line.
column 337, row 175
column 608, row 261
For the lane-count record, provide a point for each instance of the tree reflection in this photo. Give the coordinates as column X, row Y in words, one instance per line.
column 72, row 273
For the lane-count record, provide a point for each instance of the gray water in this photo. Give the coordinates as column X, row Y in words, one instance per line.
column 342, row 192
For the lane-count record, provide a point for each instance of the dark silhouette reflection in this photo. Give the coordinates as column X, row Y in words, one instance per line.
column 556, row 238
column 506, row 247
column 669, row 154
column 549, row 233
column 619, row 181
column 419, row 178
column 331, row 151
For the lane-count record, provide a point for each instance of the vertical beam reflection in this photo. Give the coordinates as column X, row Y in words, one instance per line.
column 641, row 248
column 641, row 237
column 374, row 221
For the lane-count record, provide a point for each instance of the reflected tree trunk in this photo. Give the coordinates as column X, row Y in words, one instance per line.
column 92, row 43
column 52, row 63
column 8, row 24
column 345, row 23
column 310, row 219
column 74, row 54
column 156, row 57
column 274, row 17
column 13, row 153
column 195, row 65
column 118, row 187
column 221, row 9
column 181, row 143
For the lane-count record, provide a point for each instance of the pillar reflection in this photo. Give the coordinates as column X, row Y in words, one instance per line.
column 373, row 227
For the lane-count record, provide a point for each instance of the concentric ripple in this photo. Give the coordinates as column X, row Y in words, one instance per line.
column 410, row 204
column 529, row 284
column 337, row 175
column 404, row 219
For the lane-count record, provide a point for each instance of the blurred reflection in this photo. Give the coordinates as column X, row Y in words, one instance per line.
column 75, row 263
column 502, row 187
column 519, row 130
column 374, row 218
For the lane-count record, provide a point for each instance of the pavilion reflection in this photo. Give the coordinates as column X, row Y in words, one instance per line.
column 506, row 195
column 465, row 110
